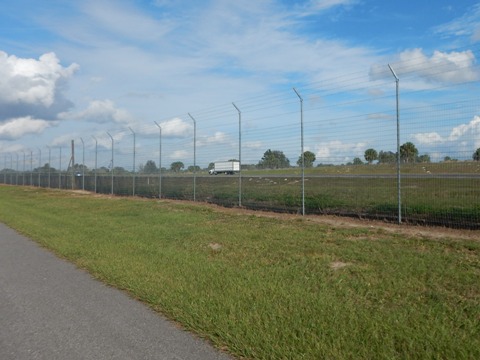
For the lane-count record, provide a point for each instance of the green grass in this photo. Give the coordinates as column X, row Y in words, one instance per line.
column 269, row 291
column 453, row 202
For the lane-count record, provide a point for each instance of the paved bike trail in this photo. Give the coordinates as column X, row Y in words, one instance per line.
column 49, row 309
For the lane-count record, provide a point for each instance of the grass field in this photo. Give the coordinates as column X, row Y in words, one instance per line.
column 453, row 202
column 268, row 288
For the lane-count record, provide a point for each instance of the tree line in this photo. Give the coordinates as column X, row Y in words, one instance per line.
column 408, row 154
column 271, row 159
column 276, row 159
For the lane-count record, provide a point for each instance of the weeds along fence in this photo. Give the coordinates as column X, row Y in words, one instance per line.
column 419, row 164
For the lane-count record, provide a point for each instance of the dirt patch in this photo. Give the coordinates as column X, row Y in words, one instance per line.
column 215, row 246
column 338, row 265
column 429, row 232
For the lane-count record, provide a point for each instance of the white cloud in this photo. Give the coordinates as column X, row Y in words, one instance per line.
column 102, row 112
column 179, row 155
column 16, row 128
column 314, row 7
column 321, row 5
column 122, row 19
column 97, row 22
column 218, row 138
column 476, row 35
column 251, row 38
column 252, row 145
column 64, row 140
column 444, row 67
column 466, row 135
column 471, row 129
column 176, row 128
column 380, row 116
column 336, row 151
column 466, row 25
column 31, row 81
column 428, row 138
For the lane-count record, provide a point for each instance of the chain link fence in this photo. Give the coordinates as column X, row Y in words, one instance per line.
column 403, row 149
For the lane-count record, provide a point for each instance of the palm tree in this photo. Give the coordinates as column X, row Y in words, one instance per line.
column 476, row 155
column 371, row 155
column 408, row 152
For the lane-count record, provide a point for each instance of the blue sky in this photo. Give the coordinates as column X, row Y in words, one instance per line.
column 80, row 69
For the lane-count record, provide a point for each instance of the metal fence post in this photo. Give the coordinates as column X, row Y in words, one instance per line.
column 60, row 170
column 31, row 168
column 302, row 151
column 11, row 169
column 23, row 173
column 133, row 189
column 49, row 165
column 83, row 164
column 111, row 137
column 95, row 171
column 39, row 166
column 16, row 172
column 159, row 161
column 239, row 155
column 399, row 195
column 194, row 155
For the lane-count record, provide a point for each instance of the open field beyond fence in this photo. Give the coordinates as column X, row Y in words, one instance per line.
column 446, row 194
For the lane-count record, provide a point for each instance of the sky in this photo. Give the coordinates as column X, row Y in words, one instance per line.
column 87, row 70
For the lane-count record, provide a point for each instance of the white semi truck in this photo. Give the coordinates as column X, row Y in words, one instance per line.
column 225, row 167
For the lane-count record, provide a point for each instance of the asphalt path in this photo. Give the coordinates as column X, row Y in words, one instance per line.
column 49, row 309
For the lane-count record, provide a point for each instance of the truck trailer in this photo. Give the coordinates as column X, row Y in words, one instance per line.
column 225, row 167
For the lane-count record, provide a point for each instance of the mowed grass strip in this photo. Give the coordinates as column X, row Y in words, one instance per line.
column 266, row 288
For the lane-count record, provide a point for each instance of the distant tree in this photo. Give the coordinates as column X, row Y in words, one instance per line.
column 387, row 157
column 274, row 160
column 447, row 158
column 371, row 155
column 176, row 166
column 408, row 152
column 119, row 170
column 191, row 168
column 45, row 168
column 308, row 157
column 476, row 155
column 424, row 158
column 357, row 161
column 150, row 167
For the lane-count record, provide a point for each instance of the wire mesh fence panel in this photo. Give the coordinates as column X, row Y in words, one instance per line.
column 374, row 146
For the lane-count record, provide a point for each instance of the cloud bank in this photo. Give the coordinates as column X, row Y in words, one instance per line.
column 441, row 67
column 31, row 93
column 467, row 134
